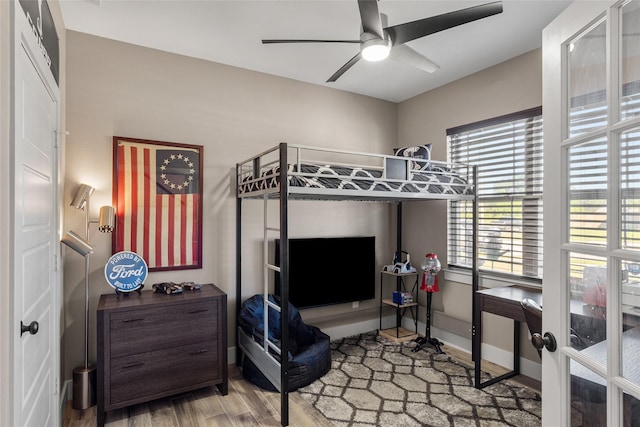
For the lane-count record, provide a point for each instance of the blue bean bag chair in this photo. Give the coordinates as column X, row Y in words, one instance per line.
column 309, row 349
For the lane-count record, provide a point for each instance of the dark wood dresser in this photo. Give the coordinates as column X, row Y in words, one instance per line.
column 152, row 345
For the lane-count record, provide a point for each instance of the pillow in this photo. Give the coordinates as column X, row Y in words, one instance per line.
column 416, row 152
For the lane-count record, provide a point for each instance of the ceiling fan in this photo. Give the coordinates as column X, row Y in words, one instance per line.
column 377, row 41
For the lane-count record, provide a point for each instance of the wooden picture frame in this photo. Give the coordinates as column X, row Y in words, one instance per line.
column 157, row 192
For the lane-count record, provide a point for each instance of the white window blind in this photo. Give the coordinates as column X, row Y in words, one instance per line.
column 508, row 153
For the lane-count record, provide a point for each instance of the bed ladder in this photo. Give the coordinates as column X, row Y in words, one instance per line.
column 281, row 383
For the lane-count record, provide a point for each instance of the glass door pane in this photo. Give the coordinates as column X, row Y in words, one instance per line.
column 588, row 334
column 588, row 301
column 587, row 79
column 588, row 193
column 630, row 67
column 630, row 299
column 588, row 397
column 630, row 409
column 630, row 189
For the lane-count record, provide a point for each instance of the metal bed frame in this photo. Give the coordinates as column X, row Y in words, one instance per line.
column 393, row 169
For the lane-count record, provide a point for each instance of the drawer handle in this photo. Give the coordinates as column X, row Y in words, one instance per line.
column 137, row 319
column 204, row 350
column 133, row 365
column 202, row 310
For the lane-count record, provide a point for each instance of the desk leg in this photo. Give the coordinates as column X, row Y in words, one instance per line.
column 476, row 350
column 516, row 347
column 516, row 360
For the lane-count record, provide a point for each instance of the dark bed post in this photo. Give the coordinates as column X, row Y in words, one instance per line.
column 284, row 288
column 238, row 260
column 476, row 339
column 399, row 232
column 398, row 255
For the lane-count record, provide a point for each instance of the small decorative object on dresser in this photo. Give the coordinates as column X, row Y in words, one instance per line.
column 158, row 345
column 126, row 272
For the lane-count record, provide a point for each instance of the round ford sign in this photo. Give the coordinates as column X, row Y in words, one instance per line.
column 125, row 271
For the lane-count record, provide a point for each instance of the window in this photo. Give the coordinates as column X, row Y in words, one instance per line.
column 508, row 153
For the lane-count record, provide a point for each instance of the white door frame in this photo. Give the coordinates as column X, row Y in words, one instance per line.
column 6, row 262
column 24, row 39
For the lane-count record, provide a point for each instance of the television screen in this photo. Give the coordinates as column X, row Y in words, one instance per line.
column 324, row 271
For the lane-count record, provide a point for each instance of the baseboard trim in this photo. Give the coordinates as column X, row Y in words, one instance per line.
column 490, row 353
column 67, row 391
column 342, row 331
column 65, row 396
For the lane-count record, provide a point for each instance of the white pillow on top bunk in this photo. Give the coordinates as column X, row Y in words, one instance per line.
column 416, row 152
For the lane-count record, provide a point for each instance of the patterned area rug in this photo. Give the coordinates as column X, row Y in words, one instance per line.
column 376, row 382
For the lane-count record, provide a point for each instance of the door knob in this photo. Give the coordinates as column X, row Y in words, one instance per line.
column 547, row 341
column 32, row 328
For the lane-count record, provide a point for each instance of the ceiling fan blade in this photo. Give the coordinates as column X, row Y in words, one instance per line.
column 274, row 41
column 408, row 31
column 406, row 55
column 370, row 17
column 344, row 68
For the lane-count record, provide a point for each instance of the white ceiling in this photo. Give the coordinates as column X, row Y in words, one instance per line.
column 230, row 32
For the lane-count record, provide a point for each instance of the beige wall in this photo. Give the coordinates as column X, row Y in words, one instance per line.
column 120, row 89
column 506, row 88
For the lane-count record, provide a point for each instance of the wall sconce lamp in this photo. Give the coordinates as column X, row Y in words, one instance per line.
column 84, row 377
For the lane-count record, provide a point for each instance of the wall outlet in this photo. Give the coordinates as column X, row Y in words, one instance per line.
column 355, row 304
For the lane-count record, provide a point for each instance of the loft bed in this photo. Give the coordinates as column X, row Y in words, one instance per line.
column 314, row 173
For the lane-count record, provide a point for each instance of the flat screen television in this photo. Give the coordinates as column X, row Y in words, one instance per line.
column 329, row 270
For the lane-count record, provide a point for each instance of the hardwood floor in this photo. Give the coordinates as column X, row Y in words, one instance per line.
column 245, row 405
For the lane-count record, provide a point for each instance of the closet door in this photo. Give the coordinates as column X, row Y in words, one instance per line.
column 35, row 239
column 591, row 286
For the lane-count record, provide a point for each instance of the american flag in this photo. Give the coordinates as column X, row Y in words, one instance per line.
column 158, row 204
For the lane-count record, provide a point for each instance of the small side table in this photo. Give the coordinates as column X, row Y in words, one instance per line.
column 398, row 333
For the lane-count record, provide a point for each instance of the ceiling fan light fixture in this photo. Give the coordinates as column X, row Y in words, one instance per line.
column 377, row 39
column 376, row 49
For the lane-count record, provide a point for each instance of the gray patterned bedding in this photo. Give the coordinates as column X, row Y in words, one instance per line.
column 437, row 180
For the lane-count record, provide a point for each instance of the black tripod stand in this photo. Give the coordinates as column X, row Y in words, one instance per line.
column 427, row 340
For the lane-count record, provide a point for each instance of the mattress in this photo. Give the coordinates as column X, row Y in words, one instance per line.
column 437, row 180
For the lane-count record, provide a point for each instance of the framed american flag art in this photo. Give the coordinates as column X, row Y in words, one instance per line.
column 157, row 191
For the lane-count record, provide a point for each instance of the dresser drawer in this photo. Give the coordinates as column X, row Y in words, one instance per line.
column 157, row 372
column 154, row 329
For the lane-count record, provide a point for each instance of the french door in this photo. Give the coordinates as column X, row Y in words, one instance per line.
column 591, row 287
